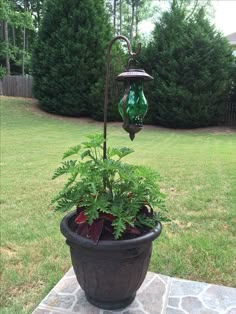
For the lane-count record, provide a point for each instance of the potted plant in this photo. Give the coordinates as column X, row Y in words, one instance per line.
column 111, row 231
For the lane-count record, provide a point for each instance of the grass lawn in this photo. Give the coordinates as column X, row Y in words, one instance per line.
column 198, row 170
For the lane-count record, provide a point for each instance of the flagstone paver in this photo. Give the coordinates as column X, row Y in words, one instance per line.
column 158, row 295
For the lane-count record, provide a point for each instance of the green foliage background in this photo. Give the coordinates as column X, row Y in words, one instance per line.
column 232, row 93
column 69, row 56
column 190, row 61
column 191, row 64
column 18, row 21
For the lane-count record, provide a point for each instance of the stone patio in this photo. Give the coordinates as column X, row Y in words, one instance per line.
column 158, row 294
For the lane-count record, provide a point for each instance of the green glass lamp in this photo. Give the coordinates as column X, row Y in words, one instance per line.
column 133, row 105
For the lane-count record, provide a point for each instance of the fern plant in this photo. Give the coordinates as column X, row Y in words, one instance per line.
column 114, row 199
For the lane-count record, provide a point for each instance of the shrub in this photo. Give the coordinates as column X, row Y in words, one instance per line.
column 191, row 65
column 232, row 93
column 69, row 56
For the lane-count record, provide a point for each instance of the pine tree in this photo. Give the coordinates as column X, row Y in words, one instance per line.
column 191, row 63
column 69, row 56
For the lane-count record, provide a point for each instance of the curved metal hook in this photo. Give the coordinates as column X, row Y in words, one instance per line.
column 130, row 61
column 132, row 54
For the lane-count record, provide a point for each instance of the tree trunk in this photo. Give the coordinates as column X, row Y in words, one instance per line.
column 193, row 10
column 24, row 41
column 1, row 91
column 136, row 20
column 2, row 30
column 23, row 53
column 120, row 17
column 114, row 16
column 132, row 21
column 38, row 14
column 8, row 66
column 13, row 36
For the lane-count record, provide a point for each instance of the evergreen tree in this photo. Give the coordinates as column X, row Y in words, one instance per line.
column 69, row 56
column 191, row 63
column 232, row 94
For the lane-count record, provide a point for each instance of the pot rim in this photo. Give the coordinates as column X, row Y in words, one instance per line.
column 75, row 238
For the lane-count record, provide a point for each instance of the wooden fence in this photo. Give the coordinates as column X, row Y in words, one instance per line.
column 230, row 114
column 16, row 85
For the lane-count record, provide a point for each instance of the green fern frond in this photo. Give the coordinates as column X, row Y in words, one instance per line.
column 72, row 151
column 91, row 210
column 86, row 153
column 94, row 206
column 95, row 141
column 119, row 152
column 67, row 167
column 64, row 205
column 146, row 221
column 70, row 193
column 71, row 179
column 119, row 227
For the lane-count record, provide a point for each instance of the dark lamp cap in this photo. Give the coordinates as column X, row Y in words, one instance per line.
column 134, row 74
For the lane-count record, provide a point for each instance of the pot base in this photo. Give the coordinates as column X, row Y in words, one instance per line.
column 111, row 305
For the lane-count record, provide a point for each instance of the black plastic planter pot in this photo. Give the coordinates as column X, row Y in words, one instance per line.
column 110, row 272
